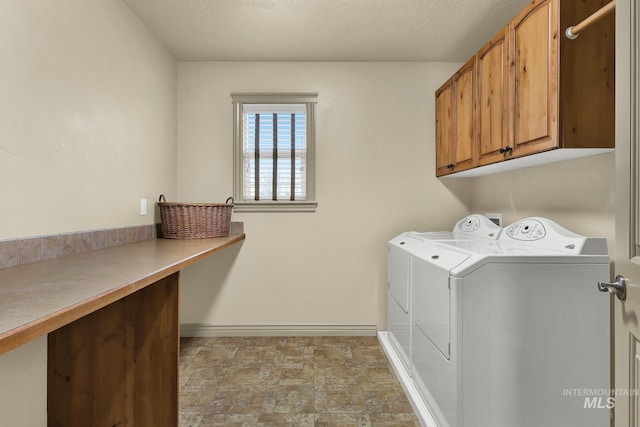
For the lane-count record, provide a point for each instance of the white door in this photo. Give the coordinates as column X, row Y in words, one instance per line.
column 627, row 257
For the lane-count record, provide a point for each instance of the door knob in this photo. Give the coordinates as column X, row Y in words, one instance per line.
column 617, row 288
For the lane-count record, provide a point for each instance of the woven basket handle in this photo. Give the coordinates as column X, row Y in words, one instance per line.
column 227, row 202
column 162, row 199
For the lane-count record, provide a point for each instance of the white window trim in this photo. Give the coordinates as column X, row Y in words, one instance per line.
column 241, row 205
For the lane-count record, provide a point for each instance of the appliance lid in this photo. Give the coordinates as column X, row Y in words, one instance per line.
column 443, row 256
column 481, row 252
column 407, row 242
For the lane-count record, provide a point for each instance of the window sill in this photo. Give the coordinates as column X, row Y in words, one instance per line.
column 270, row 206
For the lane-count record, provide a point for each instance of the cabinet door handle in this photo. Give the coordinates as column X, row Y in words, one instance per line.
column 505, row 149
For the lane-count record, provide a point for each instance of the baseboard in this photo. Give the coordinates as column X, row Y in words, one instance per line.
column 419, row 406
column 203, row 330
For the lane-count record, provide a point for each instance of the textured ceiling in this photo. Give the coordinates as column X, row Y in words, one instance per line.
column 324, row 30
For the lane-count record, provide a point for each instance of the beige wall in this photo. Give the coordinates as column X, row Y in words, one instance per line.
column 375, row 179
column 87, row 117
column 578, row 194
column 87, row 128
column 375, row 173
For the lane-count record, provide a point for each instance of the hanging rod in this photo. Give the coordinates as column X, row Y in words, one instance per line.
column 573, row 32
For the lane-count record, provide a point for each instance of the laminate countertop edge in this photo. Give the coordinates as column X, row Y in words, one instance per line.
column 38, row 298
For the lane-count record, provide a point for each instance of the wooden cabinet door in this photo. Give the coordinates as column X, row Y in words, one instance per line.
column 455, row 122
column 464, row 104
column 492, row 100
column 534, row 41
column 444, row 129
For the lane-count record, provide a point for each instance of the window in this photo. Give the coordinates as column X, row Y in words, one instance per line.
column 274, row 152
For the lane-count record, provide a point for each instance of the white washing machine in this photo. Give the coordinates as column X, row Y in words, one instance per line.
column 502, row 329
column 399, row 274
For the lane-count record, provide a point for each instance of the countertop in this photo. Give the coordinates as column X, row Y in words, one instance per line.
column 38, row 298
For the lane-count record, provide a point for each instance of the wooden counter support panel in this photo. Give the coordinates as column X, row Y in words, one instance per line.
column 119, row 365
column 113, row 329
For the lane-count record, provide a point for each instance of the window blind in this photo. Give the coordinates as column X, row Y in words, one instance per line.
column 274, row 151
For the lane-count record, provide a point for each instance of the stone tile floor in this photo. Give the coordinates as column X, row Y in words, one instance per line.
column 289, row 381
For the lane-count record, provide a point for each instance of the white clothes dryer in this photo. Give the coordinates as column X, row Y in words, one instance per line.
column 399, row 273
column 503, row 330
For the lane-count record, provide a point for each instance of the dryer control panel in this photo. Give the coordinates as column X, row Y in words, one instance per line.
column 477, row 225
column 470, row 223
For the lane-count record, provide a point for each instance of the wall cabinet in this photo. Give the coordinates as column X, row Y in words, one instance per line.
column 455, row 127
column 537, row 90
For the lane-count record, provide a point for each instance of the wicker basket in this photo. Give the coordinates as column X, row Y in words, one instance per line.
column 194, row 220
